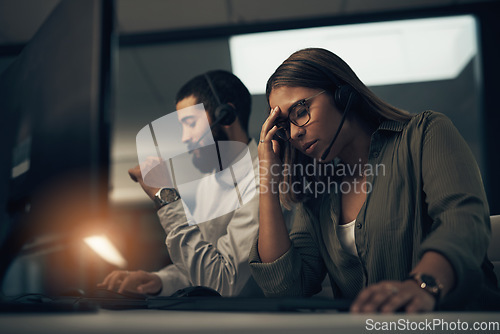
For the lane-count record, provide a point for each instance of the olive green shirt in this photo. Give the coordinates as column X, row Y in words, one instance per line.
column 429, row 197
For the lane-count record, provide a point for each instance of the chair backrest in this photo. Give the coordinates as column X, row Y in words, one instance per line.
column 494, row 249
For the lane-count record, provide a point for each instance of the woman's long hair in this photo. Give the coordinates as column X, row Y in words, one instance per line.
column 297, row 71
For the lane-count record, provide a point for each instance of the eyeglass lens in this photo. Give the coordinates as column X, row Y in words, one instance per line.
column 299, row 115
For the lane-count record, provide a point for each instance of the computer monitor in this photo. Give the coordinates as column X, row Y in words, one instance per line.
column 55, row 105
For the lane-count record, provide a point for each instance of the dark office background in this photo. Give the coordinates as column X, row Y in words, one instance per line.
column 162, row 44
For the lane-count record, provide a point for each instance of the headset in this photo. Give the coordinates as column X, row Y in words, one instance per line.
column 342, row 94
column 343, row 97
column 225, row 114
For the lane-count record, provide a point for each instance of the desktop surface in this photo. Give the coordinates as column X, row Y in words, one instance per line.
column 111, row 300
column 160, row 321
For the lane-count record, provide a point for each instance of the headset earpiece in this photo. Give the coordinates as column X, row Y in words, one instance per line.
column 225, row 114
column 342, row 94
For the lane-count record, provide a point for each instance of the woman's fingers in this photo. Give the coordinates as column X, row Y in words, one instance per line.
column 276, row 147
column 270, row 134
column 391, row 296
column 269, row 147
column 269, row 123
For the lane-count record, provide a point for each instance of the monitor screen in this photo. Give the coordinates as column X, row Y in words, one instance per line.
column 54, row 99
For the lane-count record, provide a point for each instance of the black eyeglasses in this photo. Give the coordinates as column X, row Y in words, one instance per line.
column 298, row 115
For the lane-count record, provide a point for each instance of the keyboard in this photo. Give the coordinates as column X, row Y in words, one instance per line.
column 105, row 299
column 34, row 303
column 101, row 293
column 109, row 299
column 243, row 304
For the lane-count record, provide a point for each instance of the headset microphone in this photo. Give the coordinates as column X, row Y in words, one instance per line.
column 224, row 114
column 217, row 121
column 343, row 98
column 346, row 110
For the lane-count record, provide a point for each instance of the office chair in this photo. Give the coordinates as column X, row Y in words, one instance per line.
column 494, row 248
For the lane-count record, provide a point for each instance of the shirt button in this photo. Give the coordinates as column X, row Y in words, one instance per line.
column 375, row 154
column 359, row 225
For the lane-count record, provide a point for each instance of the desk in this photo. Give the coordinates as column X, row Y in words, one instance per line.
column 157, row 321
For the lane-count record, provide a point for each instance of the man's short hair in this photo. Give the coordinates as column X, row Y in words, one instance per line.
column 229, row 89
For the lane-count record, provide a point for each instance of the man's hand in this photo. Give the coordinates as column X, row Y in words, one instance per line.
column 135, row 174
column 391, row 296
column 156, row 175
column 135, row 281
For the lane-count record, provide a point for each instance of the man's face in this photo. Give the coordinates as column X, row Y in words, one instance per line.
column 196, row 132
column 194, row 123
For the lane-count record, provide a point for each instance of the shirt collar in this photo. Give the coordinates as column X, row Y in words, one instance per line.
column 391, row 125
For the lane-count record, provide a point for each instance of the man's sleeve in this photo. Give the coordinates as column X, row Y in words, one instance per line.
column 172, row 280
column 222, row 266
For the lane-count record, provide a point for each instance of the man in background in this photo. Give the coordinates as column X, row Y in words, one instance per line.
column 213, row 253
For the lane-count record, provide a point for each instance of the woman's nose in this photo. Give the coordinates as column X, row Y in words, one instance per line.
column 296, row 131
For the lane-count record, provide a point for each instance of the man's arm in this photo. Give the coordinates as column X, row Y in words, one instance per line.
column 171, row 280
column 219, row 262
column 223, row 265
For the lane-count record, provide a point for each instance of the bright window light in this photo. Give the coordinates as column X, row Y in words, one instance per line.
column 380, row 53
column 106, row 250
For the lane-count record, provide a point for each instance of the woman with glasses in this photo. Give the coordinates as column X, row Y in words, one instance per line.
column 390, row 205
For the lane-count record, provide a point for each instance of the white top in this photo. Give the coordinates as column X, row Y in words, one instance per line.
column 345, row 234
